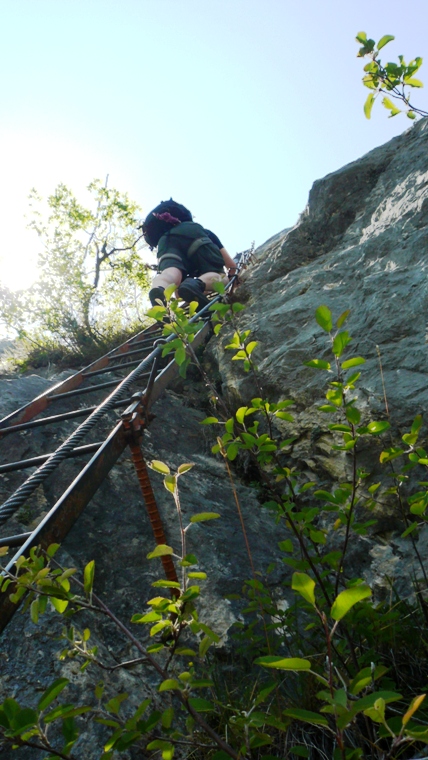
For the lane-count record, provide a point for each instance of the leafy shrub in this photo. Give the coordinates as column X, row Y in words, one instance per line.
column 331, row 674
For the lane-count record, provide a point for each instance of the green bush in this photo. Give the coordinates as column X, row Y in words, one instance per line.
column 335, row 674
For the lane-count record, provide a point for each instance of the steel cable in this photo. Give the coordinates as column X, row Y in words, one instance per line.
column 25, row 490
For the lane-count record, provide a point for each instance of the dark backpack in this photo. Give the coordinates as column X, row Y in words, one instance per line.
column 154, row 228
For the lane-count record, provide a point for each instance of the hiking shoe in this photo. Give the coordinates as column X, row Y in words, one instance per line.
column 192, row 289
column 157, row 294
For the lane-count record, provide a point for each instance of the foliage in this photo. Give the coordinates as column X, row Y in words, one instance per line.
column 392, row 80
column 332, row 675
column 91, row 276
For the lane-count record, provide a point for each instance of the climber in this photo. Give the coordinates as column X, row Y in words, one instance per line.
column 189, row 256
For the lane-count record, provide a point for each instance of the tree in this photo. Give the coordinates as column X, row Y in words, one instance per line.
column 91, row 275
column 393, row 80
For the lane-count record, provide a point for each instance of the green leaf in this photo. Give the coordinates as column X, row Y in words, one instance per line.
column 158, row 466
column 390, row 106
column 165, row 747
column 318, row 364
column 68, row 710
column 219, row 288
column 378, row 426
column 251, row 346
column 324, row 318
column 368, row 105
column 156, row 312
column 232, row 451
column 170, row 684
column 24, row 720
column 180, row 355
column 229, row 425
column 205, row 645
column 417, row 422
column 353, row 362
column 240, row 414
column 52, row 692
column 160, row 551
column 340, row 342
column 113, row 705
column 413, row 526
column 352, row 415
column 305, row 586
column 203, row 516
column 384, row 40
column 346, row 600
column 185, row 468
column 209, row 421
column 209, row 632
column 306, row 716
column 361, row 37
column 286, row 546
column 419, row 733
column 88, row 577
column 411, row 115
column 389, row 454
column 342, row 319
column 52, row 549
column 149, row 617
column 412, row 82
column 201, row 705
column 59, row 605
column 283, row 663
column 237, row 307
column 325, row 496
column 34, row 610
column 169, row 291
column 165, row 584
column 170, row 483
column 414, row 705
column 189, row 560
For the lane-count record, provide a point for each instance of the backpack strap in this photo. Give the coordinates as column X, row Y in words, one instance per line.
column 193, row 247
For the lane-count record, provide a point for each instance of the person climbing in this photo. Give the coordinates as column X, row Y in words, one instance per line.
column 189, row 256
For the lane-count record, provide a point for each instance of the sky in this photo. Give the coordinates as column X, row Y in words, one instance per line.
column 233, row 108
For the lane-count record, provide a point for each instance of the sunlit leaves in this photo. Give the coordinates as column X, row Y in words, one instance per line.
column 160, row 551
column 305, row 586
column 390, row 79
column 52, row 692
column 158, row 466
column 283, row 663
column 204, row 516
column 318, row 364
column 347, row 599
column 353, row 362
column 324, row 318
column 88, row 577
column 368, row 105
column 340, row 342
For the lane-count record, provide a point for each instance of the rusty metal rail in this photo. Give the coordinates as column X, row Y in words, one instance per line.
column 146, row 382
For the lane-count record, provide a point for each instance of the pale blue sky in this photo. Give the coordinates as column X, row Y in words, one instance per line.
column 232, row 107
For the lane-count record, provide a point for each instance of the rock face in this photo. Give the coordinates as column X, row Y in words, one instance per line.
column 361, row 244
